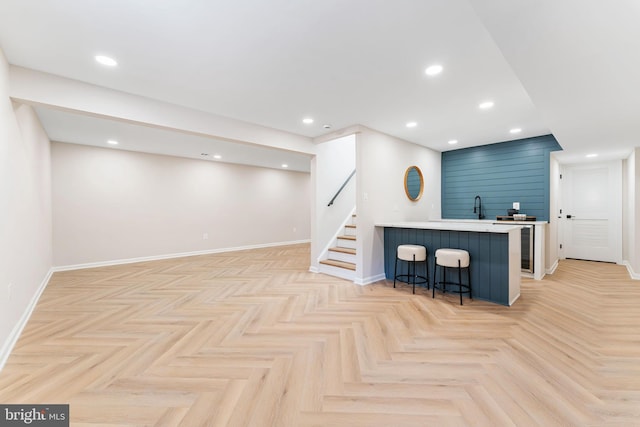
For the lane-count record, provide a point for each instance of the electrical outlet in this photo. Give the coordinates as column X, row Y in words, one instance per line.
column 295, row 229
column 205, row 236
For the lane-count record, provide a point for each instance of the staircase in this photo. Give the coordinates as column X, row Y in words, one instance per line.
column 341, row 257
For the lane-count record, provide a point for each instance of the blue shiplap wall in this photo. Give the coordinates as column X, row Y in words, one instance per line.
column 502, row 173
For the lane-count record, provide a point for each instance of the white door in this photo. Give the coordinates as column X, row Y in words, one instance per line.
column 592, row 211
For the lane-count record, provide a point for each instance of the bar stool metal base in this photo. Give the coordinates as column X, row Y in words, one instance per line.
column 461, row 288
column 411, row 278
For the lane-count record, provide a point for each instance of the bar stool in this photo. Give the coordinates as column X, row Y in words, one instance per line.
column 452, row 258
column 412, row 254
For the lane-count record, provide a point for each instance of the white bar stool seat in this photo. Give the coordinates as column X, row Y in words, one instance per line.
column 411, row 254
column 452, row 258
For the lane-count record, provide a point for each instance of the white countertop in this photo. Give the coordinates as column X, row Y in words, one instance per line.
column 493, row 221
column 481, row 226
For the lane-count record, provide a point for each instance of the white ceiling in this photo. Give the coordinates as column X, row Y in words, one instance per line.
column 564, row 67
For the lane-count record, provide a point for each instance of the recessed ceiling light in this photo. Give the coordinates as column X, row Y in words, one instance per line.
column 412, row 124
column 515, row 130
column 433, row 70
column 592, row 155
column 327, row 126
column 284, row 165
column 217, row 156
column 452, row 141
column 112, row 142
column 307, row 121
column 106, row 60
column 485, row 105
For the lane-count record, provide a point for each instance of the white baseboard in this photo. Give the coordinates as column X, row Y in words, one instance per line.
column 348, row 275
column 369, row 280
column 170, row 256
column 514, row 299
column 552, row 269
column 633, row 274
column 12, row 339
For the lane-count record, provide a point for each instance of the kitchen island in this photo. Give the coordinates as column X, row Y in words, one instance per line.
column 494, row 250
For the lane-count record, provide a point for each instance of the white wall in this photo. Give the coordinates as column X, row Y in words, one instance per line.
column 111, row 205
column 334, row 161
column 551, row 241
column 634, row 214
column 630, row 220
column 25, row 212
column 382, row 161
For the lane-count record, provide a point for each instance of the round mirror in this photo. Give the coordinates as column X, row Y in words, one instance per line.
column 413, row 183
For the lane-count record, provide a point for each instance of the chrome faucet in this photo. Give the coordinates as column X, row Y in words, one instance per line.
column 477, row 207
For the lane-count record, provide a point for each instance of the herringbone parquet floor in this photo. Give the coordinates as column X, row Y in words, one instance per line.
column 252, row 339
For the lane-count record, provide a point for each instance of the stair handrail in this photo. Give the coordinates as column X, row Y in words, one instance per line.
column 342, row 187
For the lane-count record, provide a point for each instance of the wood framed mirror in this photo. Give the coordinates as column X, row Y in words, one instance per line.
column 413, row 183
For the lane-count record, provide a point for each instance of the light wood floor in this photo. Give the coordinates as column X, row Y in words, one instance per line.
column 253, row 339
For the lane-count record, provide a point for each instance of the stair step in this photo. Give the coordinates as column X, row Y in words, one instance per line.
column 349, row 230
column 347, row 242
column 350, row 226
column 351, row 251
column 341, row 264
